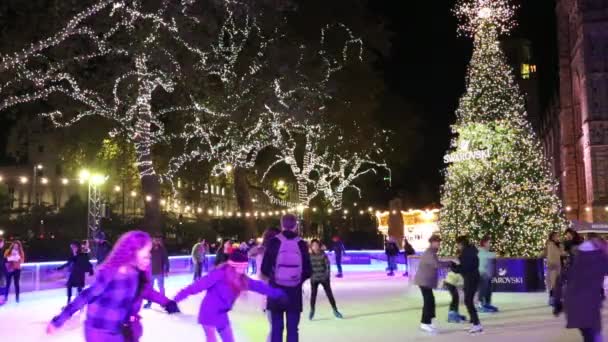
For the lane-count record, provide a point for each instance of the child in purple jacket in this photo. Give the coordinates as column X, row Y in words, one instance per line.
column 223, row 286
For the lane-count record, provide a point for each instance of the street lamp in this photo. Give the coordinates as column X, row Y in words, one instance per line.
column 23, row 180
column 116, row 188
column 94, row 181
column 44, row 181
column 64, row 181
column 37, row 167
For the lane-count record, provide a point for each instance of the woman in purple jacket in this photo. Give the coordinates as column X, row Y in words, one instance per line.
column 223, row 286
column 114, row 300
column 582, row 297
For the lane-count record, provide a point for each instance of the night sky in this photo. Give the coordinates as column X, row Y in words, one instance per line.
column 427, row 70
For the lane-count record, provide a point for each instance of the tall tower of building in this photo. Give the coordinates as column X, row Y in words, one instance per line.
column 583, row 107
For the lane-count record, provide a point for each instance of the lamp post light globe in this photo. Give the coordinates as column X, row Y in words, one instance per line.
column 148, row 198
column 44, row 180
column 39, row 167
column 133, row 193
column 65, row 181
column 281, row 183
column 23, row 180
column 117, row 188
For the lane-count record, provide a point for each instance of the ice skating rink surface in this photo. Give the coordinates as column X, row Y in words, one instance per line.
column 375, row 307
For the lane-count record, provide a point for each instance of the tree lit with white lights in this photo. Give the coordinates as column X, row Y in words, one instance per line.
column 498, row 182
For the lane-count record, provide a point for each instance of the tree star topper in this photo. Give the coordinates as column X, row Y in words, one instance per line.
column 473, row 14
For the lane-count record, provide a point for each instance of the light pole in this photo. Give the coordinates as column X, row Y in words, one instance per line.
column 94, row 199
column 37, row 167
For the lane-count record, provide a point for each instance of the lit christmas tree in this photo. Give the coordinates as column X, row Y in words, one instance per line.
column 497, row 182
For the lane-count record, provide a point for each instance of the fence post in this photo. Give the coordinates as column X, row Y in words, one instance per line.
column 37, row 278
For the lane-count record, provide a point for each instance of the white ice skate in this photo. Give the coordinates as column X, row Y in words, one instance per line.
column 429, row 329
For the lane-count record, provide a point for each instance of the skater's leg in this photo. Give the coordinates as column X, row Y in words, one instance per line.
column 69, row 287
column 17, row 284
column 470, row 287
column 210, row 333
column 293, row 322
column 330, row 296
column 314, row 287
column 455, row 303
column 428, row 301
column 226, row 334
column 277, row 326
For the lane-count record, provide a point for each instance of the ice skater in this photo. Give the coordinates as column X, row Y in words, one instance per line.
column 408, row 250
column 426, row 278
column 78, row 265
column 453, row 282
column 339, row 251
column 114, row 300
column 223, row 286
column 487, row 265
column 15, row 257
column 583, row 300
column 321, row 271
column 392, row 251
column 468, row 267
column 159, row 265
column 554, row 252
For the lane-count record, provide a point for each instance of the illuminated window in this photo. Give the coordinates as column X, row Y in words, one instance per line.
column 525, row 71
column 532, row 68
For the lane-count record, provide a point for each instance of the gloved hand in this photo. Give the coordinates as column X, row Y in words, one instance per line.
column 172, row 307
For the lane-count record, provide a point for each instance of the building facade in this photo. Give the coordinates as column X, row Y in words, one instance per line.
column 581, row 116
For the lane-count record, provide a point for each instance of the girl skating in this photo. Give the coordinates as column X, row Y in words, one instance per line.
column 321, row 271
column 14, row 258
column 113, row 301
column 223, row 286
column 78, row 265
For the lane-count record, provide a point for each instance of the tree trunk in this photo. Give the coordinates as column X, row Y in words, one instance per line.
column 243, row 199
column 152, row 218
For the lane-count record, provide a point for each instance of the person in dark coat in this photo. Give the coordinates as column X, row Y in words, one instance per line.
column 3, row 272
column 582, row 300
column 159, row 262
column 223, row 252
column 78, row 265
column 392, row 251
column 468, row 267
column 272, row 270
column 408, row 250
column 102, row 247
column 339, row 251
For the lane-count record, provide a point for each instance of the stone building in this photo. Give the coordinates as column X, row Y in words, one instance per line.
column 579, row 122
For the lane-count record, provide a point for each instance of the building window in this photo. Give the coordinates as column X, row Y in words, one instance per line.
column 526, row 70
column 40, row 148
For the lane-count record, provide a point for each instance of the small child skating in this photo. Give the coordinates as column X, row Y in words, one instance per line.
column 452, row 282
column 321, row 270
column 223, row 286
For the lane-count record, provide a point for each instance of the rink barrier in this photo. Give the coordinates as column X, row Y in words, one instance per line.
column 512, row 275
column 38, row 276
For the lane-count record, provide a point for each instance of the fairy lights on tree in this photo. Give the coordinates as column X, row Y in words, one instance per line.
column 136, row 52
column 504, row 187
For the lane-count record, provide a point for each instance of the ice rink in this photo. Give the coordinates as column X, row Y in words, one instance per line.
column 376, row 308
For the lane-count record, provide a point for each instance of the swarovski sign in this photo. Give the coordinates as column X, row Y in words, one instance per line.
column 466, row 154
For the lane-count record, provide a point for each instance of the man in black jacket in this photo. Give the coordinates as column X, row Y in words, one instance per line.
column 102, row 247
column 468, row 267
column 286, row 264
column 3, row 272
column 159, row 262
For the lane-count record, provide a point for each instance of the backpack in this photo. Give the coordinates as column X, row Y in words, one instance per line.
column 288, row 267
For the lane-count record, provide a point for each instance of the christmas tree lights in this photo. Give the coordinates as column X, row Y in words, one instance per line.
column 498, row 182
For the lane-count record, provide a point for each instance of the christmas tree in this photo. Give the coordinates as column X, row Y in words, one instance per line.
column 497, row 182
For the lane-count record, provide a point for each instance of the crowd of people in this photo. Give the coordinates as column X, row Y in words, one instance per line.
column 126, row 276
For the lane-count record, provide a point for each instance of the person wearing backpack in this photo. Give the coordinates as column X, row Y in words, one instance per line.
column 286, row 264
